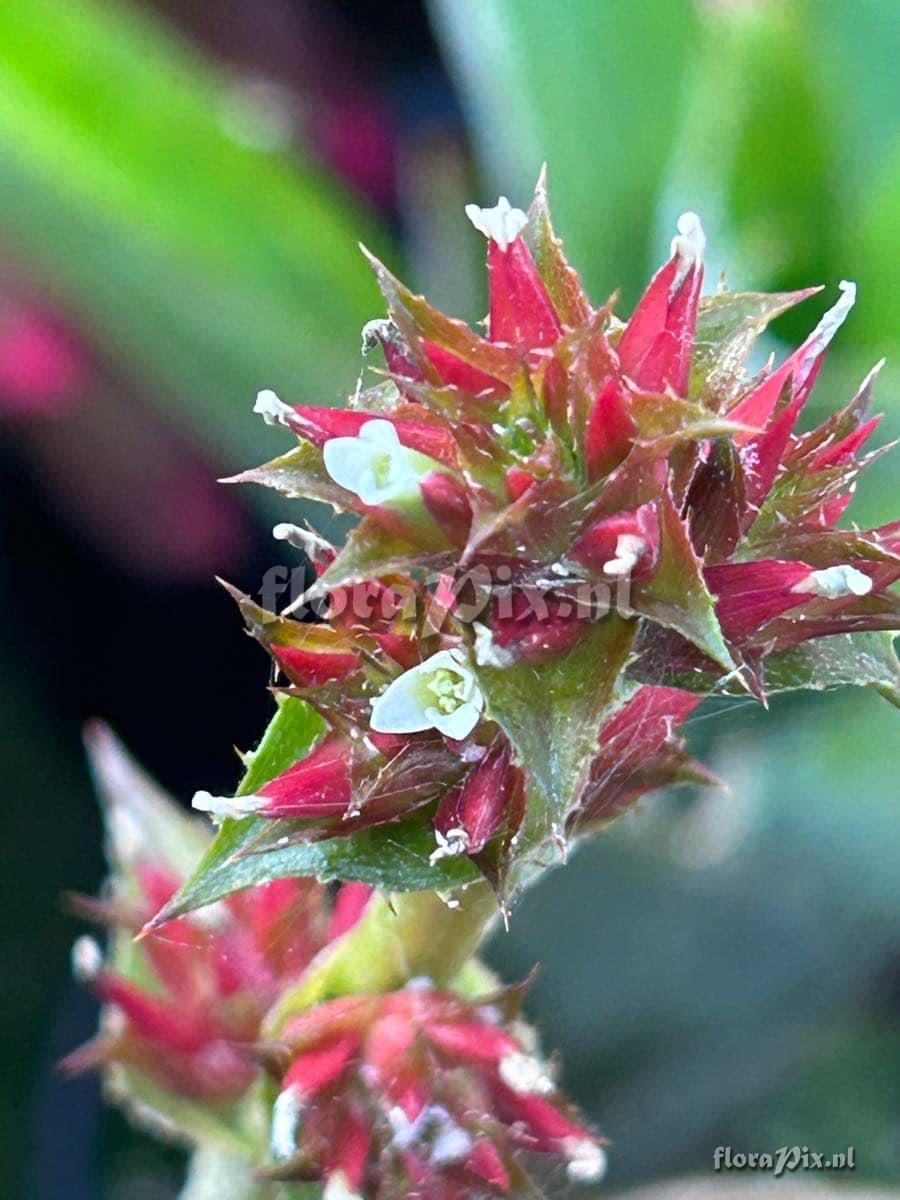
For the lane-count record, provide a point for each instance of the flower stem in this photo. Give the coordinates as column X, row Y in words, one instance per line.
column 398, row 938
column 213, row 1175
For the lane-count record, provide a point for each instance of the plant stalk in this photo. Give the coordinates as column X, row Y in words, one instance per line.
column 399, row 937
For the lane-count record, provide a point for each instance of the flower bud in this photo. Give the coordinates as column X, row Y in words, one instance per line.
column 487, row 802
column 416, row 1078
column 655, row 349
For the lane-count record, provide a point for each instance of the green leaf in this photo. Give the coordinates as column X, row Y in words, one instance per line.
column 728, row 325
column 210, row 265
column 677, row 595
column 857, row 659
column 552, row 712
column 253, row 851
column 290, row 736
column 821, row 664
column 372, row 552
column 300, row 474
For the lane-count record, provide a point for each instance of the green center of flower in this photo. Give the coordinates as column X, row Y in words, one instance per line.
column 381, row 465
column 446, row 690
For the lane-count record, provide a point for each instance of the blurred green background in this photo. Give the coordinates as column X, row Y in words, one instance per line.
column 182, row 187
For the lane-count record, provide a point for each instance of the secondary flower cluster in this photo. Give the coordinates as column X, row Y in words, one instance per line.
column 419, row 1093
column 562, row 451
column 188, row 1010
column 415, row 1092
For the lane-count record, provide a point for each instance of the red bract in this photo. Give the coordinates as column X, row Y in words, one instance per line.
column 592, row 504
column 564, row 430
column 418, row 1092
column 486, row 804
column 215, row 976
column 655, row 349
column 639, row 751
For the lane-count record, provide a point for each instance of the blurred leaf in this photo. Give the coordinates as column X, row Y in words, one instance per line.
column 212, row 268
column 754, row 153
column 136, row 811
column 593, row 90
column 856, row 48
column 176, row 1119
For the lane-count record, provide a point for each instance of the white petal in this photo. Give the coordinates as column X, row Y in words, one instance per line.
column 690, row 241
column 460, row 723
column 374, row 465
column 454, row 660
column 380, row 433
column 502, row 223
column 399, row 708
column 835, row 583
column 525, row 1074
column 220, row 807
column 629, row 548
column 373, row 331
column 407, row 707
column 451, row 1144
column 286, row 1113
column 337, row 1188
column 449, row 845
column 87, row 959
column 272, row 410
column 834, row 318
column 587, row 1161
column 348, row 460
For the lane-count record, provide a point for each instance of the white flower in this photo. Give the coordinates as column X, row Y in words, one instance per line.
column 834, row 583
column 629, row 548
column 87, row 959
column 286, row 1113
column 525, row 1074
column 690, row 241
column 375, row 466
column 273, row 410
column 449, row 845
column 587, row 1160
column 502, row 223
column 337, row 1188
column 440, row 693
column 833, row 319
column 220, row 807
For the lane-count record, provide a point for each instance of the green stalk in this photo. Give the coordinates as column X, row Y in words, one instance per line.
column 213, row 1175
column 399, row 937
